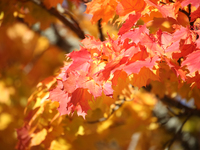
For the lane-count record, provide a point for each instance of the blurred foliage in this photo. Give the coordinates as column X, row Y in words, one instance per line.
column 36, row 35
column 31, row 49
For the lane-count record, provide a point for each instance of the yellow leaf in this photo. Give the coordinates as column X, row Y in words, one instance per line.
column 38, row 137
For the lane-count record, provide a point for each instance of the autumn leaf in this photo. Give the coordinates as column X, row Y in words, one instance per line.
column 104, row 9
column 132, row 19
column 81, row 60
column 193, row 2
column 137, row 32
column 164, row 38
column 195, row 80
column 176, row 68
column 192, row 61
column 71, row 102
column 126, row 6
column 104, row 87
column 167, row 10
column 194, row 15
column 185, row 50
column 38, row 137
column 151, row 44
column 58, row 95
column 143, row 77
column 119, row 74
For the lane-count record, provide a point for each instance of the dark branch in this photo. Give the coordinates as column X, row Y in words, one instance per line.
column 173, row 103
column 179, row 132
column 102, row 38
column 53, row 11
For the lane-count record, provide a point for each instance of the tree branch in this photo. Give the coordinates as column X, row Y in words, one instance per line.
column 53, row 11
column 173, row 103
column 102, row 38
column 179, row 132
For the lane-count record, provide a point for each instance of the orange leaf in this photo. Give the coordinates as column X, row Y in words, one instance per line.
column 38, row 137
column 141, row 79
column 127, row 6
column 104, row 9
column 195, row 15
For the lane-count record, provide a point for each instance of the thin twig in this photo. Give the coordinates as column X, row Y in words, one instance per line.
column 102, row 38
column 53, row 11
column 179, row 132
column 72, row 18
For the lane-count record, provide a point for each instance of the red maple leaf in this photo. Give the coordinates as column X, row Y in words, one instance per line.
column 164, row 38
column 70, row 102
column 192, row 61
column 193, row 2
column 167, row 10
column 136, row 66
column 184, row 51
column 194, row 15
column 150, row 42
column 132, row 19
column 135, row 34
column 81, row 60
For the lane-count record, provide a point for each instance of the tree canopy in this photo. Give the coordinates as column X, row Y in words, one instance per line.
column 100, row 74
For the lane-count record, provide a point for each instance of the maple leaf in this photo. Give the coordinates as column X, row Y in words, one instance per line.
column 194, row 15
column 180, row 33
column 143, row 77
column 70, row 102
column 104, row 9
column 119, row 74
column 174, row 47
column 140, row 55
column 81, row 60
column 136, row 66
column 91, row 44
column 81, row 80
column 126, row 6
column 164, row 38
column 79, row 102
column 129, row 23
column 136, row 32
column 176, row 69
column 185, row 50
column 150, row 42
column 193, row 2
column 192, row 61
column 59, row 95
column 166, row 10
column 195, row 80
